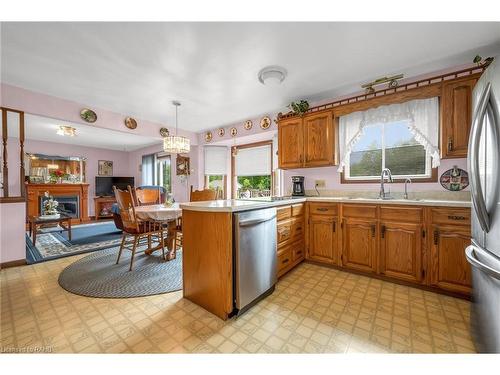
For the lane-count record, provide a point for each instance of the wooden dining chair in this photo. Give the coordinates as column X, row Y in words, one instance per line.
column 146, row 197
column 141, row 232
column 194, row 196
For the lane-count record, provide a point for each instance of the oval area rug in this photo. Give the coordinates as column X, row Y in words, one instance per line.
column 97, row 275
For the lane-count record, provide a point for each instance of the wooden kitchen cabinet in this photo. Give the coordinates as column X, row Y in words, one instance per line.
column 456, row 112
column 306, row 142
column 401, row 250
column 290, row 237
column 359, row 244
column 323, row 239
column 291, row 143
column 450, row 269
column 319, row 139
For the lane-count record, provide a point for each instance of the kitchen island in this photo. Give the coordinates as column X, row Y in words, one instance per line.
column 208, row 242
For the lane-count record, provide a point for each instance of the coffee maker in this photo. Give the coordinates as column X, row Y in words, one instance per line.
column 298, row 186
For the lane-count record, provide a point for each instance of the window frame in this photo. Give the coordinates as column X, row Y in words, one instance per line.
column 224, row 184
column 429, row 177
column 157, row 160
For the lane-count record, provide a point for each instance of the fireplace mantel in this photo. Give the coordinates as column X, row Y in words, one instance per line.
column 35, row 191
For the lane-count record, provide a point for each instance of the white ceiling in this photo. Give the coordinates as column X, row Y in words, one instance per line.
column 44, row 129
column 138, row 68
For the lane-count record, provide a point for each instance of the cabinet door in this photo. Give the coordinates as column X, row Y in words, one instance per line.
column 290, row 143
column 322, row 239
column 450, row 269
column 401, row 251
column 319, row 139
column 456, row 117
column 358, row 244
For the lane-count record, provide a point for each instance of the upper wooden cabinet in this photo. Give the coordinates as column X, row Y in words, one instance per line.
column 291, row 143
column 319, row 139
column 456, row 112
column 307, row 141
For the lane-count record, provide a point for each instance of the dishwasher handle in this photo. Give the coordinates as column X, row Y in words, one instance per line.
column 247, row 223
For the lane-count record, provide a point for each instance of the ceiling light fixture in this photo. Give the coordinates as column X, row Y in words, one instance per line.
column 66, row 130
column 176, row 144
column 272, row 75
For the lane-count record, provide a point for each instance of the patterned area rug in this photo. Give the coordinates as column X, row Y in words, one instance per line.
column 51, row 244
column 97, row 275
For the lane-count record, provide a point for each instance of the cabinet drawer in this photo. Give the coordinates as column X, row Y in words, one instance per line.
column 359, row 210
column 298, row 227
column 330, row 209
column 284, row 231
column 283, row 213
column 298, row 209
column 453, row 216
column 284, row 259
column 297, row 251
column 402, row 214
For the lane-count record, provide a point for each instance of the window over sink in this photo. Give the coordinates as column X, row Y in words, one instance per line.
column 401, row 137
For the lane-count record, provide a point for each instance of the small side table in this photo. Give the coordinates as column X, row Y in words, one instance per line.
column 63, row 220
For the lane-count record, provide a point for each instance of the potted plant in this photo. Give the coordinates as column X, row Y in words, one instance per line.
column 299, row 108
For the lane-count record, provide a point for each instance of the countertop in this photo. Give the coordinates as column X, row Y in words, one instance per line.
column 237, row 205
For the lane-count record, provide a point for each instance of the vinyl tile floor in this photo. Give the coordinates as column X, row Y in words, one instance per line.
column 313, row 310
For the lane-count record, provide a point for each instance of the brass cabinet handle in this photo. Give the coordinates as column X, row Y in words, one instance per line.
column 436, row 237
column 450, row 143
column 285, row 260
column 322, row 209
column 382, row 231
column 455, row 217
column 373, row 230
column 334, row 226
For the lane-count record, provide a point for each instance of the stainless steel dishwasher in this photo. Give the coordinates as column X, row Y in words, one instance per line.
column 254, row 256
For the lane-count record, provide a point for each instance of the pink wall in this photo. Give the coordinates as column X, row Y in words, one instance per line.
column 12, row 232
column 93, row 155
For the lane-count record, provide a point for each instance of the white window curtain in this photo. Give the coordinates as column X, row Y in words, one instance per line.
column 216, row 160
column 254, row 161
column 422, row 116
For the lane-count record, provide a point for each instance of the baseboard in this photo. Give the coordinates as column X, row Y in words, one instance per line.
column 13, row 263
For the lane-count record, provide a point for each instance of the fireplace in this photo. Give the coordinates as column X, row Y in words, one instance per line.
column 68, row 204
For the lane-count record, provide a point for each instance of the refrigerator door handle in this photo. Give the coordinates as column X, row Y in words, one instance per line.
column 473, row 160
column 471, row 258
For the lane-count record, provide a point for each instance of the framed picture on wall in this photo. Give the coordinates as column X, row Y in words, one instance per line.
column 182, row 165
column 105, row 168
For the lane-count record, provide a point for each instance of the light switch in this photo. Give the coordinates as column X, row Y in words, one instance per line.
column 320, row 183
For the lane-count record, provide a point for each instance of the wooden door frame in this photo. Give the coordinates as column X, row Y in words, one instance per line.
column 249, row 145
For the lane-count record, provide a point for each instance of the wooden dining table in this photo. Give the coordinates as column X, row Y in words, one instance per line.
column 166, row 216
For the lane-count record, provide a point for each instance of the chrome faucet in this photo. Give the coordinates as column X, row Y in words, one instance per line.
column 405, row 196
column 386, row 172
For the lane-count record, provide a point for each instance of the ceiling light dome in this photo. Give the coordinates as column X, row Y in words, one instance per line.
column 272, row 75
column 176, row 144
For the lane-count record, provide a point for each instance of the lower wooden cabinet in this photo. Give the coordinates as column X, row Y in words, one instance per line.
column 401, row 251
column 449, row 267
column 323, row 239
column 359, row 244
column 290, row 237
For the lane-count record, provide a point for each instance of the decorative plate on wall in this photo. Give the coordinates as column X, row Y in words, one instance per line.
column 454, row 179
column 265, row 123
column 233, row 132
column 221, row 132
column 130, row 123
column 88, row 115
column 164, row 132
column 248, row 125
column 208, row 136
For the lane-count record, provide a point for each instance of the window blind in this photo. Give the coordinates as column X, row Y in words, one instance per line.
column 254, row 161
column 148, row 169
column 215, row 160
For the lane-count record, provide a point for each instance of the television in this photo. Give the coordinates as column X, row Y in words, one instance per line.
column 104, row 184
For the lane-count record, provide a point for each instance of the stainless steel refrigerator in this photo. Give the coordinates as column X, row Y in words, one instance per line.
column 484, row 173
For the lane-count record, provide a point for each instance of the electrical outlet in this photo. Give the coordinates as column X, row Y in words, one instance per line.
column 320, row 183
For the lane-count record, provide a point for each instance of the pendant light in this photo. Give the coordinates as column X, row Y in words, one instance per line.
column 176, row 144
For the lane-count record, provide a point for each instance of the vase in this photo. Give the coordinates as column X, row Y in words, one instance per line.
column 59, row 180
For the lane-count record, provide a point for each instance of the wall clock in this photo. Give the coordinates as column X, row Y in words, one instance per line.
column 88, row 115
column 130, row 123
column 164, row 132
column 208, row 136
column 248, row 125
column 265, row 123
column 221, row 132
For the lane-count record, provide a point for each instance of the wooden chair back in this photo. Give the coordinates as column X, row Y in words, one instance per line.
column 146, row 197
column 202, row 195
column 126, row 203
